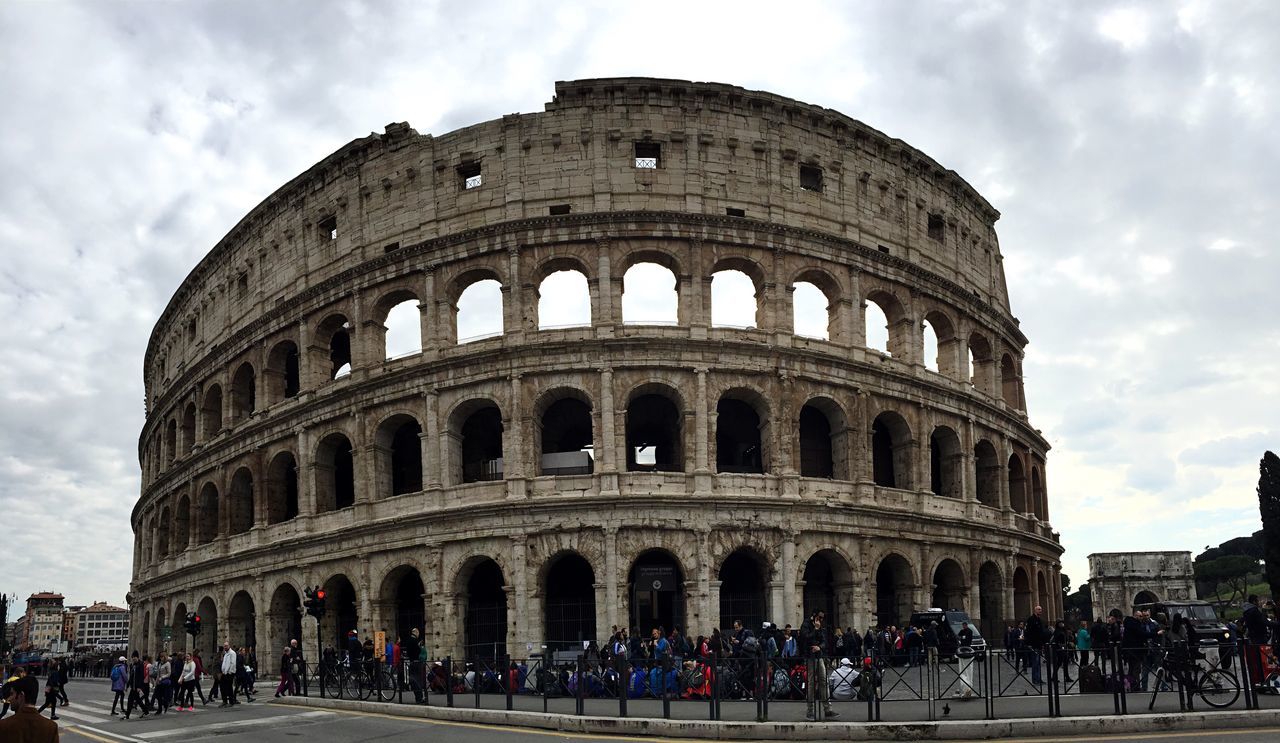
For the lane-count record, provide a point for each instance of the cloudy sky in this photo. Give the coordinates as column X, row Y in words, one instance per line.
column 1130, row 147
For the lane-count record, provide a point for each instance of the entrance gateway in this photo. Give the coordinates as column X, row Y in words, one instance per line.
column 657, row 594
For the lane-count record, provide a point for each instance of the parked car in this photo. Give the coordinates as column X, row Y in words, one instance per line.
column 949, row 622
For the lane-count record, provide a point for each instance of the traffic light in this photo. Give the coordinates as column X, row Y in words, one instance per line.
column 314, row 601
column 193, row 623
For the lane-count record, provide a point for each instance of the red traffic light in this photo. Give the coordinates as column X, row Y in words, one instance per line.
column 197, row 619
column 320, row 594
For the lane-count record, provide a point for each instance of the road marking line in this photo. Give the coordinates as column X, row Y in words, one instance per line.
column 196, row 729
column 112, row 737
column 78, row 715
column 1142, row 736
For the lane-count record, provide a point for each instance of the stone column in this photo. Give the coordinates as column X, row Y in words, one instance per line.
column 429, row 317
column 434, row 459
column 608, row 422
column 513, row 309
column 790, row 596
column 612, row 593
column 522, row 627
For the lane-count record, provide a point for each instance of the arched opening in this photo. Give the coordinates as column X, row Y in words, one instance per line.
column 564, row 301
column 403, row 330
column 940, row 344
column 241, row 621
column 161, row 625
column 887, row 328
column 991, row 600
column 566, row 434
column 182, row 525
column 284, row 619
column 655, row 585
column 333, row 335
column 403, row 590
column 240, row 502
column 877, row 328
column 650, row 295
column 891, row 447
column 242, row 392
column 171, row 440
column 893, row 591
column 743, row 576
column 340, row 616
column 207, row 642
column 399, row 442
column 189, row 427
column 1021, row 594
column 1038, row 501
column 177, row 628
column 981, row 363
column 1042, row 594
column 949, row 587
column 1144, row 597
column 146, row 632
column 810, row 311
column 282, row 488
column 828, row 579
column 654, row 436
column 930, row 346
column 1009, row 382
column 283, row 371
column 484, row 631
column 569, row 606
column 987, row 465
column 162, row 535
column 207, row 522
column 816, row 459
column 211, row 412
column 733, row 300
column 479, row 436
column 479, row 311
column 739, row 435
column 946, row 463
column 1017, row 484
column 335, row 474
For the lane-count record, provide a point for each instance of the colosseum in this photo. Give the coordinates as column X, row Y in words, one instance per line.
column 532, row 482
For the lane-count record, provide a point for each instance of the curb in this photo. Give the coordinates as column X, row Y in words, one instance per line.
column 1034, row 727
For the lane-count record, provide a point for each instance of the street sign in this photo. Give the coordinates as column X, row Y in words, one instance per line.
column 166, row 633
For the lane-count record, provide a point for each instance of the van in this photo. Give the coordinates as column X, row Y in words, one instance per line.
column 949, row 624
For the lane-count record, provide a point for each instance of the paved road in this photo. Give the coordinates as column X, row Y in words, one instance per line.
column 89, row 719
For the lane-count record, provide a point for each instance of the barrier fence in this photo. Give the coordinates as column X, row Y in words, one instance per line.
column 1021, row 683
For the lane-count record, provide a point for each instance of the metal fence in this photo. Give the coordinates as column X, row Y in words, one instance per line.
column 924, row 686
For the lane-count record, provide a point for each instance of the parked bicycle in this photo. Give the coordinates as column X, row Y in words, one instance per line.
column 1216, row 687
column 342, row 680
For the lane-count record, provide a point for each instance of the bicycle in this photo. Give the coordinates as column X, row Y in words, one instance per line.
column 1215, row 687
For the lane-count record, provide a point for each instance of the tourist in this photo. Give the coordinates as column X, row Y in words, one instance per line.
column 842, row 681
column 187, row 683
column 119, row 683
column 813, row 640
column 1084, row 643
column 228, row 678
column 1033, row 638
column 137, row 688
column 26, row 724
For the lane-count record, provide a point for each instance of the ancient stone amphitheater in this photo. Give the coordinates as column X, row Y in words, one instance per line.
column 647, row 465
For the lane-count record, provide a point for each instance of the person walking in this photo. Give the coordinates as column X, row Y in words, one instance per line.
column 286, row 660
column 1033, row 639
column 198, row 684
column 1084, row 642
column 228, row 680
column 186, row 684
column 119, row 683
column 50, row 695
column 137, row 688
column 813, row 640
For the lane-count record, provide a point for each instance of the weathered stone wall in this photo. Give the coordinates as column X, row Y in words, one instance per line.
column 1117, row 578
column 407, row 229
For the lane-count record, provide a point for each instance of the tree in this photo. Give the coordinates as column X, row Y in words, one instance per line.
column 1230, row 573
column 1269, row 506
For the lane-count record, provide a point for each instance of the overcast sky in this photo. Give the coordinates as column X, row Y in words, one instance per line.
column 1131, row 149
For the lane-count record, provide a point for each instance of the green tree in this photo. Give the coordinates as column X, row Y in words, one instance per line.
column 1228, row 574
column 1269, row 506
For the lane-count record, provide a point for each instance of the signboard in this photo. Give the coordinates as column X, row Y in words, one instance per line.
column 655, row 578
column 166, row 633
column 380, row 645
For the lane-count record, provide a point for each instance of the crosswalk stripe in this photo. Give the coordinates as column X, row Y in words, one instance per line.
column 196, row 729
column 78, row 715
column 110, row 735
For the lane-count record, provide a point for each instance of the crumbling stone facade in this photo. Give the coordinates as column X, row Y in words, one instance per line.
column 492, row 491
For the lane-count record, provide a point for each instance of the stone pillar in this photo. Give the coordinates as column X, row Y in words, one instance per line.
column 790, row 596
column 708, row 604
column 612, row 591
column 434, row 458
column 365, row 618
column 514, row 429
column 608, row 422
column 513, row 309
column 522, row 627
column 429, row 316
column 701, row 422
column 607, row 314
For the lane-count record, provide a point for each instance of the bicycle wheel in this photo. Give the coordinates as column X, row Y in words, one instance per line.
column 1157, row 682
column 355, row 685
column 332, row 684
column 1218, row 688
column 386, row 690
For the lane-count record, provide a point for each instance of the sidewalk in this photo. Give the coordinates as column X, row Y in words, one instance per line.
column 845, row 729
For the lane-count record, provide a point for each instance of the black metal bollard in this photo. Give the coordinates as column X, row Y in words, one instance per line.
column 448, row 681
column 579, row 704
column 666, row 686
column 715, row 686
column 624, row 684
column 506, row 680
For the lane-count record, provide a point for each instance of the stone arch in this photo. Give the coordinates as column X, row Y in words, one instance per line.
column 724, row 274
column 208, row 515
column 171, row 441
column 335, row 473
column 398, row 450
column 1010, row 382
column 188, row 428
column 1038, row 501
column 243, row 392
column 654, row 428
column 655, row 590
column 817, row 282
column 896, row 321
column 399, row 330
column 146, row 632
column 944, row 359
column 283, row 371
column 987, row 466
column 182, row 524
column 207, row 642
column 1017, row 484
column 466, row 323
column 894, row 589
column 638, row 304
column 981, row 363
column 567, row 584
column 892, row 450
column 1022, row 598
column 161, row 625
column 824, row 439
column 284, row 619
column 827, row 580
column 743, row 575
column 1145, row 597
column 332, row 346
column 946, row 463
column 282, row 488
column 242, row 620
column 991, row 599
column 561, row 271
column 239, row 502
column 481, row 588
column 342, row 613
column 475, row 441
column 163, row 533
column 178, row 627
column 742, row 431
column 1042, row 593
column 211, row 411
column 950, row 587
column 401, row 594
column 565, row 432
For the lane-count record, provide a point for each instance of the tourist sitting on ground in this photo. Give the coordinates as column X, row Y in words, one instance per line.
column 843, row 681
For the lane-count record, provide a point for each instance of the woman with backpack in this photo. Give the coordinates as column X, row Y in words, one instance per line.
column 119, row 683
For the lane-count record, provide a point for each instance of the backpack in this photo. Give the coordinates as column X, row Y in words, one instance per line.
column 781, row 684
column 636, row 686
column 1091, row 681
column 751, row 645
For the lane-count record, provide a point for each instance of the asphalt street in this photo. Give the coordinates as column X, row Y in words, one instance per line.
column 89, row 719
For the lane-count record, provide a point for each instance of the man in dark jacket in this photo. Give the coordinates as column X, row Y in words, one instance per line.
column 1134, row 642
column 409, row 650
column 813, row 645
column 1257, row 631
column 1033, row 638
column 137, row 688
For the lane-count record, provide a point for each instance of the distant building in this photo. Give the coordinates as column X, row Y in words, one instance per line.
column 44, row 620
column 19, row 633
column 1119, row 580
column 101, row 624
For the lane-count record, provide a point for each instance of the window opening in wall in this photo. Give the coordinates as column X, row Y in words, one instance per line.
column 815, row 444
column 567, row 438
column 242, row 286
column 328, row 228
column 877, row 329
column 649, row 295
column 292, row 380
column 482, row 446
column 937, row 227
column 564, row 301
column 733, row 300
column 732, row 212
column 811, row 178
column 810, row 311
column 648, row 154
column 653, row 435
column 340, row 351
column 191, row 331
column 406, row 459
column 391, row 247
column 480, row 311
column 884, row 249
column 404, row 330
column 738, row 441
column 930, row 346
column 559, row 209
column 470, row 175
